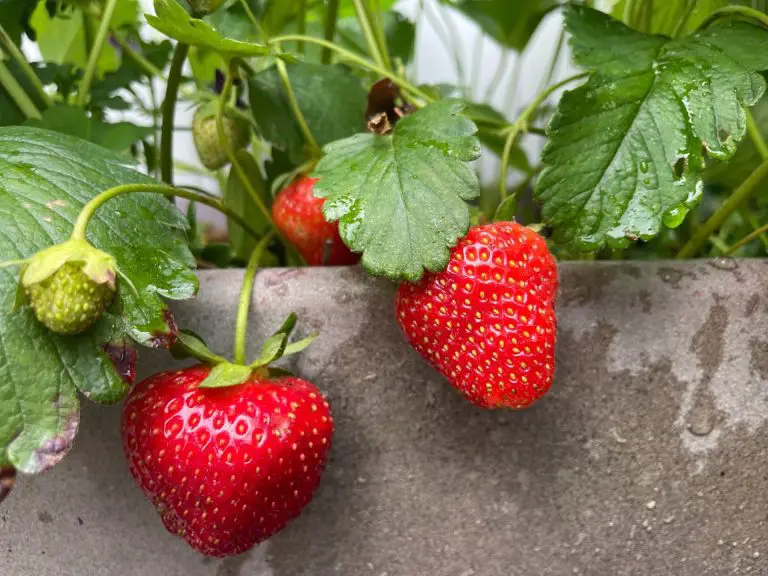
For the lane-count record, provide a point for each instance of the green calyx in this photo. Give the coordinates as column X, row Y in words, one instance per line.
column 69, row 286
column 212, row 152
column 225, row 373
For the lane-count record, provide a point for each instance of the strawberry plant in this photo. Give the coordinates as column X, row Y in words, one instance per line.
column 329, row 151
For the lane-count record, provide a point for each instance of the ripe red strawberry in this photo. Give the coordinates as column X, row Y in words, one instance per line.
column 227, row 467
column 487, row 323
column 299, row 216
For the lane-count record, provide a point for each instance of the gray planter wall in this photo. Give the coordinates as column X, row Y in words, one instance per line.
column 647, row 458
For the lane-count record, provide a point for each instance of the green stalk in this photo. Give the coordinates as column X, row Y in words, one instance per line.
column 359, row 60
column 149, row 69
column 249, row 14
column 226, row 93
column 739, row 196
column 331, row 18
column 17, row 93
column 241, row 326
column 26, row 68
column 508, row 145
column 302, row 28
column 555, row 60
column 521, row 125
column 750, row 219
column 756, row 136
column 759, row 232
column 93, row 58
column 282, row 71
column 377, row 23
column 729, row 11
column 370, row 39
column 169, row 111
column 680, row 26
column 86, row 214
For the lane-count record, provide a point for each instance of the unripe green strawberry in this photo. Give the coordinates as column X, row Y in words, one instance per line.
column 68, row 302
column 69, row 286
column 210, row 149
column 205, row 7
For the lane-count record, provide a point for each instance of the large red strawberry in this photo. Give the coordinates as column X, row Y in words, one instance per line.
column 226, row 467
column 487, row 323
column 299, row 216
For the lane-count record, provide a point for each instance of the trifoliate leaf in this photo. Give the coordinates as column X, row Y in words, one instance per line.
column 401, row 199
column 625, row 149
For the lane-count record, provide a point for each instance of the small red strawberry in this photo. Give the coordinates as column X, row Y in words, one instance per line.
column 299, row 216
column 487, row 323
column 226, row 467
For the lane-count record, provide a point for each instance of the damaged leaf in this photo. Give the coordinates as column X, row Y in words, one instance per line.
column 47, row 178
column 625, row 151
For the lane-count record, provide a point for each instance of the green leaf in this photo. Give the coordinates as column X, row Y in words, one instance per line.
column 47, row 178
column 226, row 374
column 511, row 24
column 401, row 199
column 172, row 20
column 488, row 121
column 72, row 120
column 236, row 196
column 331, row 98
column 663, row 17
column 625, row 149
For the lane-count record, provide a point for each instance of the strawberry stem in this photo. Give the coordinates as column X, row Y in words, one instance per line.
column 331, row 16
column 93, row 58
column 241, row 327
column 522, row 125
column 81, row 224
column 359, row 60
column 282, row 71
column 169, row 111
column 226, row 93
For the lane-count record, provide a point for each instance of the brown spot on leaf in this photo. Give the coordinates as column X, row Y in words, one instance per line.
column 54, row 449
column 168, row 338
column 679, row 167
column 123, row 357
column 7, row 481
column 54, row 203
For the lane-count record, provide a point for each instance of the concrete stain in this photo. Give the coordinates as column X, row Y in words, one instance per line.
column 673, row 276
column 758, row 357
column 752, row 305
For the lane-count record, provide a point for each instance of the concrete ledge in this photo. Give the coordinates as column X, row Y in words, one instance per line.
column 647, row 458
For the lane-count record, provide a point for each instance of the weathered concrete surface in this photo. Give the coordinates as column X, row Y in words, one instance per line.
column 648, row 457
